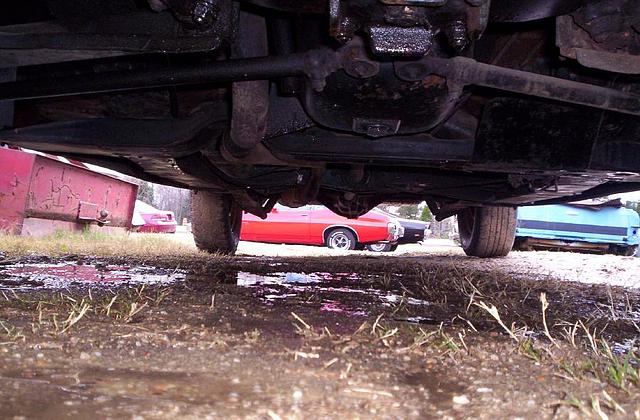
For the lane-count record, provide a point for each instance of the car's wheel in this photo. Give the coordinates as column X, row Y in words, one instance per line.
column 217, row 220
column 624, row 250
column 522, row 244
column 379, row 247
column 487, row 231
column 341, row 239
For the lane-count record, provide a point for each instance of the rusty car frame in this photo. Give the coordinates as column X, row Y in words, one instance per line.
column 476, row 106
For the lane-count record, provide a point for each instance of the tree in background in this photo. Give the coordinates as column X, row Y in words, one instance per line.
column 633, row 205
column 163, row 197
column 426, row 215
column 409, row 211
column 385, row 207
column 145, row 192
column 177, row 200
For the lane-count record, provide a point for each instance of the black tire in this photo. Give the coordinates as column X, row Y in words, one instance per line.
column 217, row 220
column 487, row 232
column 624, row 250
column 341, row 238
column 522, row 244
column 381, row 247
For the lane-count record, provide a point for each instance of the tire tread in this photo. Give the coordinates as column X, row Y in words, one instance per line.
column 493, row 232
column 211, row 227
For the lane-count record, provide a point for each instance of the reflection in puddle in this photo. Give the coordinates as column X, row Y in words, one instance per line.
column 250, row 279
column 347, row 293
column 57, row 276
column 396, row 299
column 335, row 306
column 347, row 289
column 418, row 320
column 626, row 346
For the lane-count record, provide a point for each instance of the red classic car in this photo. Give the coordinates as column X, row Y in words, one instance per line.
column 149, row 219
column 317, row 225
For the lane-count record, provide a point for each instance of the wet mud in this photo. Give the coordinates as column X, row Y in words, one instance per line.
column 256, row 337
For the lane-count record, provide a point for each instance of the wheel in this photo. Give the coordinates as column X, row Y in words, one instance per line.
column 624, row 250
column 522, row 244
column 379, row 247
column 341, row 239
column 487, row 231
column 217, row 220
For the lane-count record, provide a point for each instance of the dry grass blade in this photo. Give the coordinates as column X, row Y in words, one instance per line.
column 375, row 324
column 110, row 304
column 134, row 309
column 545, row 306
column 591, row 337
column 595, row 405
column 493, row 311
column 75, row 316
column 611, row 403
column 300, row 320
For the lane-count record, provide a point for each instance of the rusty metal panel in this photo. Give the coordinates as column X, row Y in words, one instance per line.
column 15, row 173
column 37, row 187
column 57, row 188
column 87, row 211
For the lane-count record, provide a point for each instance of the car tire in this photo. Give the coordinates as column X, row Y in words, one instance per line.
column 522, row 244
column 487, row 232
column 381, row 247
column 625, row 250
column 217, row 220
column 341, row 239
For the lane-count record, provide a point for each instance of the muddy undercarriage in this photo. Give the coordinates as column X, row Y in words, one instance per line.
column 344, row 102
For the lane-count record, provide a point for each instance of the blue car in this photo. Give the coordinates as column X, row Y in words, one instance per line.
column 607, row 227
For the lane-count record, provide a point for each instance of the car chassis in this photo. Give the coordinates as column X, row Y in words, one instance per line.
column 462, row 103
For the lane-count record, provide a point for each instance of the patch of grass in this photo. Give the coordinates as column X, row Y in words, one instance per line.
column 97, row 244
column 10, row 334
column 574, row 402
column 620, row 371
column 447, row 343
column 527, row 348
column 253, row 336
column 61, row 312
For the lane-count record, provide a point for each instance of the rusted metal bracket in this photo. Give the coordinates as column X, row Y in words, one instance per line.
column 466, row 71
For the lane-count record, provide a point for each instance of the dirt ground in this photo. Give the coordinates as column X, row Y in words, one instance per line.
column 300, row 332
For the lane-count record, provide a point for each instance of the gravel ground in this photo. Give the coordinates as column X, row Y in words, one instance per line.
column 301, row 332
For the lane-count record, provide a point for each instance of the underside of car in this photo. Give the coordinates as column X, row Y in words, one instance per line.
column 348, row 103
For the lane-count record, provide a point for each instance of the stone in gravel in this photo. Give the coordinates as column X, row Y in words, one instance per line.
column 461, row 399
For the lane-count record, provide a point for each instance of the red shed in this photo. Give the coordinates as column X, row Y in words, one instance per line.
column 40, row 194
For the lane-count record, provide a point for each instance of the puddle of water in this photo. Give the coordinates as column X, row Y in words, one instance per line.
column 396, row 299
column 335, row 306
column 57, row 276
column 626, row 346
column 349, row 298
column 418, row 320
column 346, row 293
column 250, row 279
